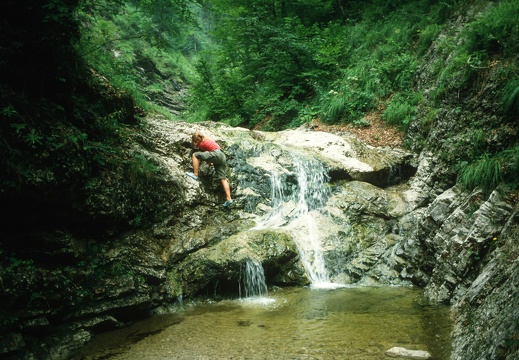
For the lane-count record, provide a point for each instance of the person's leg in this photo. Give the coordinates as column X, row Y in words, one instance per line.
column 226, row 189
column 196, row 164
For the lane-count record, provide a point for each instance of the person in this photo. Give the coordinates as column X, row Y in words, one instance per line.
column 211, row 153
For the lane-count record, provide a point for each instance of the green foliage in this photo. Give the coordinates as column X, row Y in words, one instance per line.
column 135, row 43
column 269, row 55
column 380, row 62
column 495, row 31
column 305, row 116
column 492, row 34
column 346, row 106
column 489, row 171
column 511, row 96
column 261, row 66
column 402, row 109
column 9, row 111
column 465, row 147
column 427, row 122
column 139, row 167
column 486, row 173
column 427, row 36
column 511, row 157
column 13, row 265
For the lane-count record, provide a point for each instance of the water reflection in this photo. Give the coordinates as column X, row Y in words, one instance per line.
column 296, row 323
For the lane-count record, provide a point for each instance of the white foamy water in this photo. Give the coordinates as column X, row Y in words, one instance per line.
column 296, row 198
column 254, row 285
column 257, row 301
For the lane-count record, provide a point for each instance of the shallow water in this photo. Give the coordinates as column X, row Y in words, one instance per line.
column 295, row 323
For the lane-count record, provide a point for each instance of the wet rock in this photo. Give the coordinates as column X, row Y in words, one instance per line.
column 461, row 240
column 346, row 153
column 408, row 354
column 487, row 313
column 222, row 264
column 370, row 232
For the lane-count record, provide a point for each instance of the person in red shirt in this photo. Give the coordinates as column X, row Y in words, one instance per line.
column 210, row 152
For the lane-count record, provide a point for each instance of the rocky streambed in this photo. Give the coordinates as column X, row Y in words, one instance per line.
column 375, row 216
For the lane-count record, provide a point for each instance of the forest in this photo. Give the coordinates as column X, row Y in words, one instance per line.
column 81, row 79
column 266, row 64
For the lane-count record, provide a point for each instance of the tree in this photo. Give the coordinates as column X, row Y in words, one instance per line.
column 264, row 63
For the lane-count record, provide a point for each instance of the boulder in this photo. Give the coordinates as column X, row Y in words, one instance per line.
column 401, row 352
column 221, row 266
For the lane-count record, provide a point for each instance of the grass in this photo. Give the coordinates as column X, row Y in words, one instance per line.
column 485, row 173
column 490, row 171
column 511, row 96
column 402, row 109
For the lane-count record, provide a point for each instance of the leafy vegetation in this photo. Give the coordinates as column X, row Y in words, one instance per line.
column 75, row 83
column 64, row 128
column 136, row 43
column 488, row 172
column 511, row 95
column 267, row 64
column 486, row 40
column 332, row 60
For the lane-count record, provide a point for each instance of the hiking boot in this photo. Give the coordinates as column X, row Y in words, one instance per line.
column 192, row 176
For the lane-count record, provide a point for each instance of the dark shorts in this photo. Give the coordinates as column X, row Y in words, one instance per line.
column 219, row 160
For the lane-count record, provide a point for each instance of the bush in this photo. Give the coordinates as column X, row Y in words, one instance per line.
column 427, row 36
column 511, row 96
column 402, row 110
column 495, row 31
column 485, row 173
column 346, row 106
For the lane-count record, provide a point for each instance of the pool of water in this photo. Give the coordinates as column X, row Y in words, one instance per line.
column 294, row 323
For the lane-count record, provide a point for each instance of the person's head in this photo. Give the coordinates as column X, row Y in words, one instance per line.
column 197, row 137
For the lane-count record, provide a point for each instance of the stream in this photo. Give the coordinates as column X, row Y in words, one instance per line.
column 323, row 321
column 290, row 323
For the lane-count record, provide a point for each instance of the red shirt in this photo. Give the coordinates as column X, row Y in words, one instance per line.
column 208, row 145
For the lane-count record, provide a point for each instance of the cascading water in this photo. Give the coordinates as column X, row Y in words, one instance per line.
column 254, row 285
column 295, row 199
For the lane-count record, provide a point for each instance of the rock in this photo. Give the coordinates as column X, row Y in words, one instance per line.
column 487, row 313
column 370, row 233
column 11, row 342
column 222, row 264
column 410, row 354
column 348, row 154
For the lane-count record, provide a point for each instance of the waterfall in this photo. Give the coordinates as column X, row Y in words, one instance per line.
column 254, row 280
column 296, row 198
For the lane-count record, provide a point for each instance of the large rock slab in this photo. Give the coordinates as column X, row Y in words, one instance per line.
column 222, row 265
column 347, row 156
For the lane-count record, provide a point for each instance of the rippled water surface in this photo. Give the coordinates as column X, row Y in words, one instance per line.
column 296, row 323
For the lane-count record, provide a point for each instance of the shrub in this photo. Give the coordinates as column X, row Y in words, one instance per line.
column 496, row 30
column 427, row 36
column 511, row 96
column 486, row 173
column 347, row 105
column 401, row 110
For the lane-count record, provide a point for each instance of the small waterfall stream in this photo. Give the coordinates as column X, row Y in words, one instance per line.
column 254, row 284
column 296, row 198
